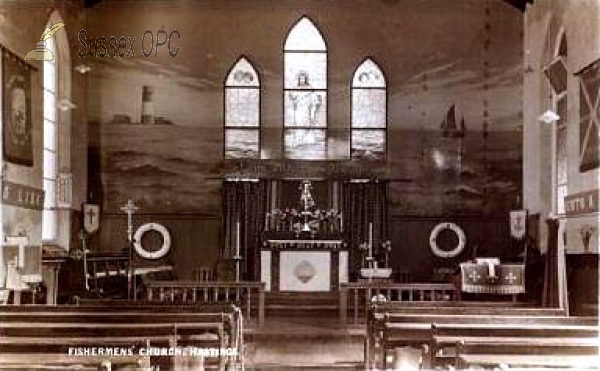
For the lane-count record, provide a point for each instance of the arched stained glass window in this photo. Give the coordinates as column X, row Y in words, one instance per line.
column 305, row 93
column 369, row 112
column 242, row 111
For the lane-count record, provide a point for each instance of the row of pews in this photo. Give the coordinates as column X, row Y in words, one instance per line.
column 139, row 335
column 480, row 334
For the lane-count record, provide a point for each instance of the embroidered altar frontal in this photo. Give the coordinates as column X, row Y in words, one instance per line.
column 505, row 278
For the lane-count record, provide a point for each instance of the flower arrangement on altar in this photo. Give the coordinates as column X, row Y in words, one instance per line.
column 308, row 219
column 298, row 221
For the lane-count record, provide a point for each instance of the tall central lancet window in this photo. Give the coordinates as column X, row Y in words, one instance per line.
column 369, row 112
column 305, row 93
column 242, row 111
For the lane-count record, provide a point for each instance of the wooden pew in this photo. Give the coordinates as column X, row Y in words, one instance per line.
column 421, row 315
column 454, row 308
column 40, row 351
column 61, row 338
column 36, row 328
column 494, row 361
column 50, row 361
column 563, row 337
column 416, row 330
column 130, row 313
column 383, row 312
column 44, row 345
column 122, row 305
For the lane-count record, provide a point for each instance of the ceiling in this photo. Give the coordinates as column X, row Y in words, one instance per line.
column 520, row 4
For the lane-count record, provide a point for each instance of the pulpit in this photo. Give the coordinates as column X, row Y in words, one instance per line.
column 298, row 265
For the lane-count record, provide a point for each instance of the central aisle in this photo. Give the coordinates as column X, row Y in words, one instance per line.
column 302, row 331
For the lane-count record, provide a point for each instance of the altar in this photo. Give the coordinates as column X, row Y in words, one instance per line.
column 304, row 265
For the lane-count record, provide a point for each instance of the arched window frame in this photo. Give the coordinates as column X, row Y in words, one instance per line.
column 358, row 129
column 300, row 86
column 560, row 105
column 232, row 129
column 56, row 95
column 50, row 147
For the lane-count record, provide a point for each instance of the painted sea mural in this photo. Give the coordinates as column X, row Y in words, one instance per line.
column 453, row 142
column 165, row 168
column 170, row 168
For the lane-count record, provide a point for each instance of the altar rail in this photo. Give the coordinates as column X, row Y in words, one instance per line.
column 250, row 296
column 355, row 296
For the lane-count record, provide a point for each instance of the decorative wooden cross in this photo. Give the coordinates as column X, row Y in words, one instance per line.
column 130, row 208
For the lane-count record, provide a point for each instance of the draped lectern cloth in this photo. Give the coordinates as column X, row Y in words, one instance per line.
column 507, row 278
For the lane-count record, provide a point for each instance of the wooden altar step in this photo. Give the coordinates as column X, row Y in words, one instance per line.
column 301, row 304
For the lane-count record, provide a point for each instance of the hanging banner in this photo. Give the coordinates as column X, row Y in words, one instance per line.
column 91, row 217
column 518, row 224
column 16, row 103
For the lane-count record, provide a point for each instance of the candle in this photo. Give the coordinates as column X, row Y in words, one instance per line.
column 237, row 240
column 370, row 239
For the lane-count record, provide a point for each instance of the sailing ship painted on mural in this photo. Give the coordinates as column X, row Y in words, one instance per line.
column 449, row 127
column 453, row 169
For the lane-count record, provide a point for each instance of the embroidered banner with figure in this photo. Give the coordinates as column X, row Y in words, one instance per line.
column 16, row 103
column 503, row 279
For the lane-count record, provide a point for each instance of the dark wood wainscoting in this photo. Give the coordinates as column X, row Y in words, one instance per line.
column 195, row 239
column 412, row 255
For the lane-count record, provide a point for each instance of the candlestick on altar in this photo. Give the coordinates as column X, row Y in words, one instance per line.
column 387, row 247
column 237, row 256
column 370, row 240
column 130, row 208
column 237, row 238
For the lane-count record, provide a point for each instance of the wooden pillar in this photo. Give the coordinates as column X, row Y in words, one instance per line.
column 261, row 305
column 343, row 306
column 563, row 295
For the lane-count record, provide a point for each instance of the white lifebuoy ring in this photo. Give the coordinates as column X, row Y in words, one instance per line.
column 462, row 240
column 137, row 241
